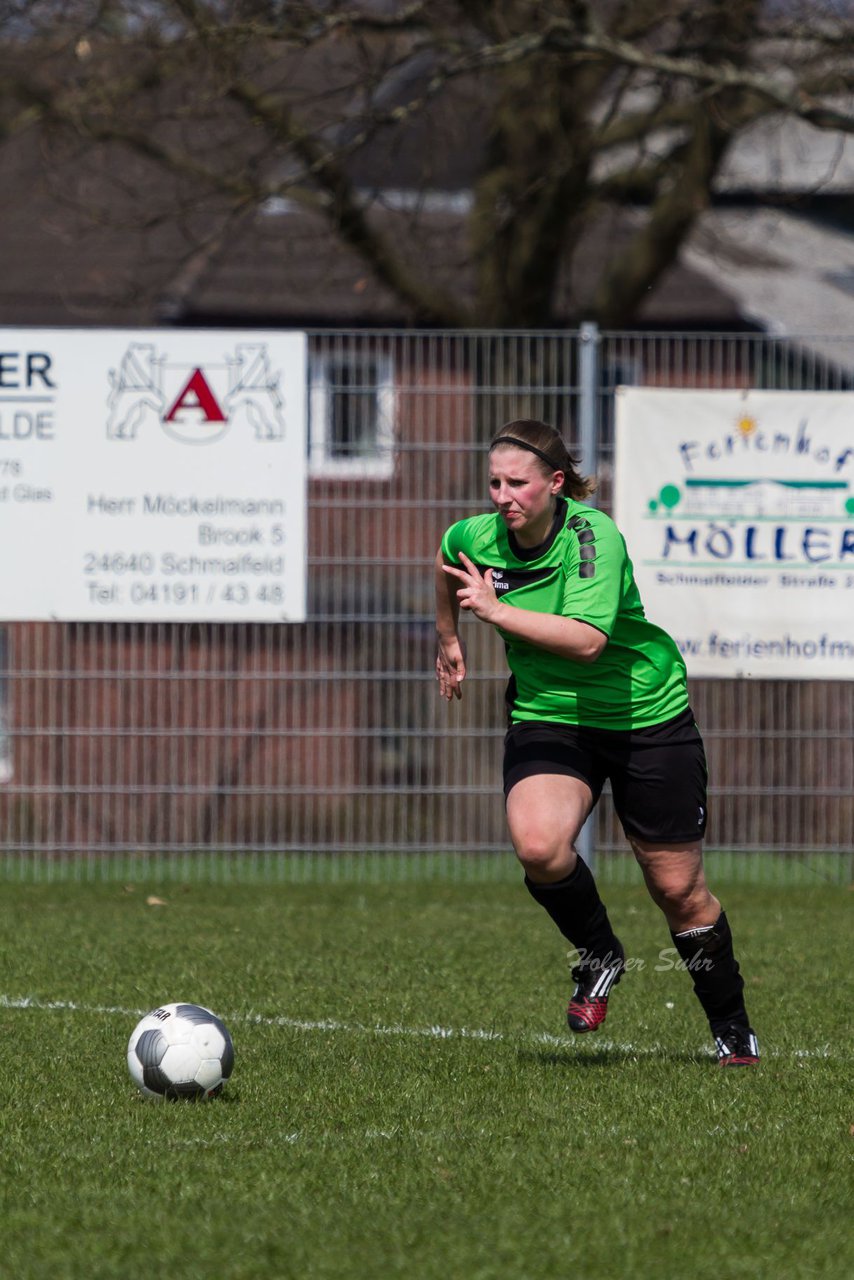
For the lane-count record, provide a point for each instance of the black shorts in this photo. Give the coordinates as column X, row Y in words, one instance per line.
column 658, row 774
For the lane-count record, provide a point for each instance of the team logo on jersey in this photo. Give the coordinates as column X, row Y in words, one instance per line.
column 195, row 403
column 512, row 579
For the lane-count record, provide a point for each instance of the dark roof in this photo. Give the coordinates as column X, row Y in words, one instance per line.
column 100, row 237
column 282, row 268
column 91, row 241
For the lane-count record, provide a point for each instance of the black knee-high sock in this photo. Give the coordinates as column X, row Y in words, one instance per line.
column 709, row 957
column 578, row 911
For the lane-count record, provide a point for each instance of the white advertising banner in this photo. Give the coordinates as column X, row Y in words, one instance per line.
column 738, row 511
column 154, row 475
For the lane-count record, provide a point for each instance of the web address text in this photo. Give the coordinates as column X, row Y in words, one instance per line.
column 716, row 645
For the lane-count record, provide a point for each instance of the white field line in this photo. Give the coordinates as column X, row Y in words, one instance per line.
column 395, row 1030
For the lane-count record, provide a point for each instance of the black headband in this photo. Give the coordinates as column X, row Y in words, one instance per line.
column 523, row 444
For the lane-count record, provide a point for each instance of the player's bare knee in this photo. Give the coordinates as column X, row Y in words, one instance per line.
column 686, row 903
column 543, row 859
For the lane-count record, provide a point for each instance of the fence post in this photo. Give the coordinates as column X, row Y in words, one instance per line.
column 588, row 399
column 588, row 426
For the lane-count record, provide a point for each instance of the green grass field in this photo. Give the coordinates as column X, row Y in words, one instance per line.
column 405, row 1101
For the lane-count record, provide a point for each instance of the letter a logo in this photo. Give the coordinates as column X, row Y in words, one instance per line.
column 196, row 394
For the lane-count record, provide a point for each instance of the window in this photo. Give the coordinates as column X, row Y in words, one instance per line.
column 351, row 415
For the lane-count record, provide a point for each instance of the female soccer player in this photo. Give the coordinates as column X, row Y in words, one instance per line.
column 596, row 691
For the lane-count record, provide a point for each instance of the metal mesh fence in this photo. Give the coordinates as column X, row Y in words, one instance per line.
column 322, row 748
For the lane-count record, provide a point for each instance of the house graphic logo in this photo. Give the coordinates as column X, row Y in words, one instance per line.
column 195, row 403
column 733, row 486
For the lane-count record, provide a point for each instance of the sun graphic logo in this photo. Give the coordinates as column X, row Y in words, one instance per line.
column 195, row 403
column 746, row 426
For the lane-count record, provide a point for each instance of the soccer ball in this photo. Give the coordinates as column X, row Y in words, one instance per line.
column 180, row 1051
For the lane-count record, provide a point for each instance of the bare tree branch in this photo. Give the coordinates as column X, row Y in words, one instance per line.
column 564, row 106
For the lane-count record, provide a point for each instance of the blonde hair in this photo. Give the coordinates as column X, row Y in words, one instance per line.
column 546, row 443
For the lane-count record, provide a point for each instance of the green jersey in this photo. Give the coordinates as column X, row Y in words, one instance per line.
column 581, row 571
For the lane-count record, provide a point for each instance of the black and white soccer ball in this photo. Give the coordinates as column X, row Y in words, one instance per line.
column 180, row 1051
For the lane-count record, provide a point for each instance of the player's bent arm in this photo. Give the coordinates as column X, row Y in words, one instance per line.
column 565, row 637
